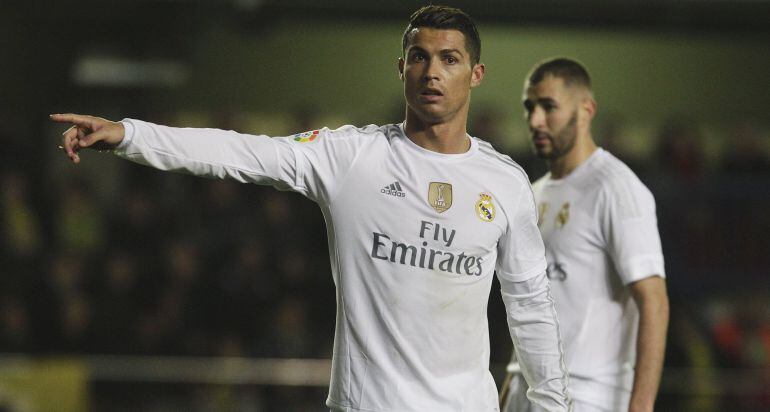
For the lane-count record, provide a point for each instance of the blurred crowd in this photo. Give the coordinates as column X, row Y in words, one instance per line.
column 152, row 263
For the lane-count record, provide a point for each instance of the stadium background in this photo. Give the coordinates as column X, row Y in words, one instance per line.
column 122, row 288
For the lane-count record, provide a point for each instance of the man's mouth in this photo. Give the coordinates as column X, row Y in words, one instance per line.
column 540, row 138
column 431, row 94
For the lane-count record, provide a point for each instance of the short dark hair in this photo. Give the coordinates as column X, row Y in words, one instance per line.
column 445, row 18
column 569, row 70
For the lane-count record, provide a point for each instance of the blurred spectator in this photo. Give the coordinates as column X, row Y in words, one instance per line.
column 679, row 153
column 65, row 297
column 746, row 154
column 15, row 325
column 182, row 309
column 80, row 221
column 136, row 221
column 741, row 332
column 244, row 288
column 118, row 302
column 289, row 330
column 611, row 136
column 20, row 227
column 689, row 345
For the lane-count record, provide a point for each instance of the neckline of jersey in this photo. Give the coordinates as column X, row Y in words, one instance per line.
column 578, row 170
column 446, row 157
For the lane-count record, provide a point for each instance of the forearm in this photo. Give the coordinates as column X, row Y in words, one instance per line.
column 534, row 329
column 650, row 351
column 202, row 152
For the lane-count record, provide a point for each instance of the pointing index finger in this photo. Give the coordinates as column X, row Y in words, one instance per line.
column 76, row 119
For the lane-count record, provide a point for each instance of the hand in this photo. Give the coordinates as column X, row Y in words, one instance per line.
column 88, row 132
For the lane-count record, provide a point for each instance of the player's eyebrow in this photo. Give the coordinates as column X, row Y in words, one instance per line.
column 449, row 51
column 442, row 51
column 541, row 100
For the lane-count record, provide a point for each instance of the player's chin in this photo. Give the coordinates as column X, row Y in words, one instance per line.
column 432, row 113
column 543, row 153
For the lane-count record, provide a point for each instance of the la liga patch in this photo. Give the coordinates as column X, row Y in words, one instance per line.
column 306, row 137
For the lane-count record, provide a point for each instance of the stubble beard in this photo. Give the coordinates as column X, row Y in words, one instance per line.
column 562, row 143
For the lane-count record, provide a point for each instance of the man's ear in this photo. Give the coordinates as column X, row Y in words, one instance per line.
column 586, row 110
column 589, row 106
column 477, row 74
column 401, row 68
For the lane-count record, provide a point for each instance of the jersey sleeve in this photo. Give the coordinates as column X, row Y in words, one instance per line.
column 311, row 163
column 530, row 310
column 521, row 253
column 630, row 228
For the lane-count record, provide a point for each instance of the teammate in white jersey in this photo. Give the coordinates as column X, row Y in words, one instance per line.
column 603, row 249
column 419, row 216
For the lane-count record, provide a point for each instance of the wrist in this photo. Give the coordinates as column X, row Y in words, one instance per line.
column 127, row 134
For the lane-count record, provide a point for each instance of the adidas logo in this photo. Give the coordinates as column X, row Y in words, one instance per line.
column 393, row 189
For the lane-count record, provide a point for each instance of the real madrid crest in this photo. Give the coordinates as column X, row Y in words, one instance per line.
column 563, row 216
column 542, row 209
column 485, row 209
column 440, row 196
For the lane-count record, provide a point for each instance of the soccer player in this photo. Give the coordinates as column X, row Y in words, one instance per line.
column 419, row 216
column 603, row 251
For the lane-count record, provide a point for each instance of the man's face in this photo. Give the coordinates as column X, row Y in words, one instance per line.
column 551, row 109
column 437, row 74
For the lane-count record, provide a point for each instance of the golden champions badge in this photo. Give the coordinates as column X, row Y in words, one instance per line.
column 542, row 209
column 440, row 196
column 485, row 209
column 563, row 216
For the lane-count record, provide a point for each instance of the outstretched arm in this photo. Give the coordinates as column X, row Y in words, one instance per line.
column 88, row 132
column 202, row 152
column 652, row 300
column 313, row 167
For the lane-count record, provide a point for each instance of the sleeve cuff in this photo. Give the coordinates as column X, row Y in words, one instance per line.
column 128, row 135
column 642, row 267
column 524, row 276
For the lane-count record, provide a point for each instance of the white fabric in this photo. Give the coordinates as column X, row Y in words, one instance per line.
column 601, row 234
column 517, row 401
column 412, row 282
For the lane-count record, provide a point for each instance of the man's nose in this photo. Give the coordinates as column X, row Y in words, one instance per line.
column 536, row 119
column 431, row 70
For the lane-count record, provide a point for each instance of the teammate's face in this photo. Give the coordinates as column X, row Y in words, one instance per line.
column 437, row 74
column 551, row 110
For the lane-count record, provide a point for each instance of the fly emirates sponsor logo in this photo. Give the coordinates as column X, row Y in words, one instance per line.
column 385, row 248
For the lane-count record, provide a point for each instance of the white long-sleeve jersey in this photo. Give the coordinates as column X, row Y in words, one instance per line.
column 414, row 238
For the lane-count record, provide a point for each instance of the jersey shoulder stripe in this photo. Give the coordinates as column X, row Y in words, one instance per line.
column 350, row 131
column 504, row 161
column 620, row 182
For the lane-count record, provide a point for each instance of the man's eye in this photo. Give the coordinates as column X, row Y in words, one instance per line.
column 418, row 58
column 451, row 60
